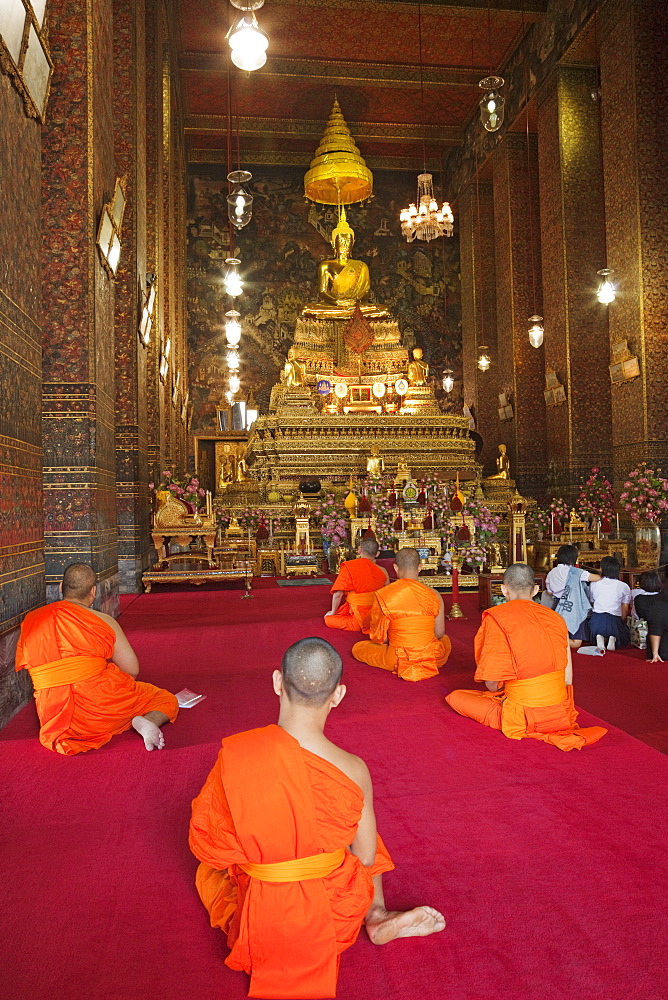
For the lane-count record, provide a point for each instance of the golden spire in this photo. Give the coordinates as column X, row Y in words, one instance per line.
column 338, row 174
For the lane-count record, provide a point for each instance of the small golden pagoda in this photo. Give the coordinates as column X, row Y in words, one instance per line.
column 338, row 173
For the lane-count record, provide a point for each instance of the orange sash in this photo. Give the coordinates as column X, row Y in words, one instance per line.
column 299, row 870
column 66, row 671
column 414, row 632
column 537, row 692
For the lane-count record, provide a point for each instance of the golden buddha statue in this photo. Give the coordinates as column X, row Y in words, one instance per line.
column 502, row 464
column 344, row 281
column 417, row 369
column 374, row 464
column 294, row 371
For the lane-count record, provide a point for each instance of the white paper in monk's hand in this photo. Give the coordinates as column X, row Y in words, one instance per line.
column 187, row 699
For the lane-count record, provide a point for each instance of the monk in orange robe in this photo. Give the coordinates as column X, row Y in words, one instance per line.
column 407, row 628
column 285, row 831
column 523, row 655
column 83, row 672
column 354, row 589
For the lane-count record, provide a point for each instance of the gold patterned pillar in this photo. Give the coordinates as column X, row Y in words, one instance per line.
column 520, row 366
column 634, row 66
column 476, row 241
column 572, row 217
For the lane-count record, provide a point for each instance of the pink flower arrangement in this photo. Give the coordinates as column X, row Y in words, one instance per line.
column 487, row 524
column 597, row 497
column 331, row 519
column 645, row 494
column 188, row 490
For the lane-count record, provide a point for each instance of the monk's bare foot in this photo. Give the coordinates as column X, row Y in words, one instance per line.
column 385, row 925
column 152, row 734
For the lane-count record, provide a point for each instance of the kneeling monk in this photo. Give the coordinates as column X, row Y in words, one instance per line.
column 354, row 588
column 523, row 655
column 83, row 672
column 285, row 831
column 407, row 629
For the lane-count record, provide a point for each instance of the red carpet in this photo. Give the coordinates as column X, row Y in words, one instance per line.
column 549, row 867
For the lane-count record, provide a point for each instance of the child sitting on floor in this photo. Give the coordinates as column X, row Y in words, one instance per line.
column 611, row 603
column 566, row 576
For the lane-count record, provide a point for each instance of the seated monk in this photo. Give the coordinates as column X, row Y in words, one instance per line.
column 354, row 588
column 285, row 832
column 523, row 656
column 83, row 672
column 407, row 628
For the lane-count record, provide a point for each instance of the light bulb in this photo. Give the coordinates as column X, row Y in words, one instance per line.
column 492, row 104
column 483, row 361
column 448, row 380
column 606, row 292
column 433, row 207
column 239, row 200
column 235, row 383
column 232, row 327
column 229, row 396
column 536, row 331
column 232, row 281
column 249, row 44
column 233, row 361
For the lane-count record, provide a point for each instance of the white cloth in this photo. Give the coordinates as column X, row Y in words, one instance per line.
column 556, row 579
column 609, row 595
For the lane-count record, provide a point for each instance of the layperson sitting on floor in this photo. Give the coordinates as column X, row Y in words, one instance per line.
column 648, row 590
column 611, row 600
column 354, row 588
column 284, row 828
column 523, row 655
column 83, row 671
column 407, row 627
column 657, row 629
column 565, row 583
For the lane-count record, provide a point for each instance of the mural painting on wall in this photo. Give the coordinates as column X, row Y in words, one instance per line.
column 280, row 251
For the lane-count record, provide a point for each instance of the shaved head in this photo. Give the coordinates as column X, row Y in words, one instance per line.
column 519, row 578
column 311, row 671
column 369, row 547
column 78, row 580
column 407, row 560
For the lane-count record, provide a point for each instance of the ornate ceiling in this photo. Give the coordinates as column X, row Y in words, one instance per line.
column 364, row 51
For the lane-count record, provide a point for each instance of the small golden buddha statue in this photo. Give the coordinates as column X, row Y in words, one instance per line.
column 403, row 474
column 417, row 369
column 294, row 371
column 344, row 281
column 374, row 464
column 502, row 464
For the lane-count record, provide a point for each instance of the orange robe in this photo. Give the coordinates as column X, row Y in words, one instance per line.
column 525, row 645
column 401, row 634
column 360, row 578
column 82, row 699
column 267, row 801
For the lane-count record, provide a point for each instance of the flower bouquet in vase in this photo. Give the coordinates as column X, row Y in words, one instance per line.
column 645, row 498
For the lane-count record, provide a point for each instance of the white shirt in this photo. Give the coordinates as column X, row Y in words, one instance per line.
column 556, row 578
column 609, row 595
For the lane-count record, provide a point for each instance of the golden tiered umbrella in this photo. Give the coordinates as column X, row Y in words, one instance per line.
column 338, row 174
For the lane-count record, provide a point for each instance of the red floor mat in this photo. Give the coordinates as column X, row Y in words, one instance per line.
column 549, row 866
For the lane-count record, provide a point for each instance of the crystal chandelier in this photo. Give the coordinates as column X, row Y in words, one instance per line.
column 246, row 39
column 426, row 221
